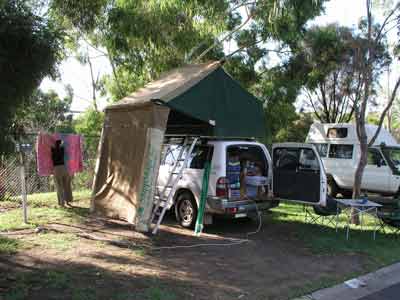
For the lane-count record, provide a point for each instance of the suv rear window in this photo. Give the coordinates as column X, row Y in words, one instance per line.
column 249, row 154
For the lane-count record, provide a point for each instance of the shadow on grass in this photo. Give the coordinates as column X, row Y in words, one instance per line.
column 288, row 257
column 325, row 239
column 80, row 281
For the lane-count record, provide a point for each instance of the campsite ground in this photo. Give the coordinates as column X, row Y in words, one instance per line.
column 66, row 254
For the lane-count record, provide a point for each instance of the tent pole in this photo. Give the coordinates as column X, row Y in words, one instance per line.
column 203, row 198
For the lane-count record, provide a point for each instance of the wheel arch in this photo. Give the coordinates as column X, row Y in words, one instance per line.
column 331, row 177
column 180, row 191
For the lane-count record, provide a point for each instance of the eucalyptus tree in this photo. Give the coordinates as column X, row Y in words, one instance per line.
column 30, row 48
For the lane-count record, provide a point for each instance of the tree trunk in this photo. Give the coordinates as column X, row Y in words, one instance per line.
column 94, row 84
column 360, row 167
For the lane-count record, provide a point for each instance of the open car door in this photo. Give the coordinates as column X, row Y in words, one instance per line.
column 298, row 174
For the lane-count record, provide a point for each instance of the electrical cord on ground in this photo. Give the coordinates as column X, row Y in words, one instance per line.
column 235, row 241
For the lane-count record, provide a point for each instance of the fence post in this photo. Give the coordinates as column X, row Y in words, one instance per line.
column 23, row 185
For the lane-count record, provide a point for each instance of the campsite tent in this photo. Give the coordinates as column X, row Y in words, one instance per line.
column 197, row 99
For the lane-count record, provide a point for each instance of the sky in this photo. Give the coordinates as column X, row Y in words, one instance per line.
column 343, row 12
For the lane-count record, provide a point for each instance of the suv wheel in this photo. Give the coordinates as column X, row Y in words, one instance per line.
column 186, row 210
column 332, row 188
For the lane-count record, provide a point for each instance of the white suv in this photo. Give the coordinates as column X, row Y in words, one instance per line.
column 295, row 173
column 339, row 149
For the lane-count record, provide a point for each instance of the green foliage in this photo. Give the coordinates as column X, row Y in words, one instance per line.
column 373, row 118
column 30, row 48
column 143, row 38
column 278, row 115
column 45, row 111
column 273, row 22
column 328, row 61
column 82, row 14
column 296, row 131
column 89, row 125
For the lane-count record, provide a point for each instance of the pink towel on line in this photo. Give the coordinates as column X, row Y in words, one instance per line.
column 73, row 157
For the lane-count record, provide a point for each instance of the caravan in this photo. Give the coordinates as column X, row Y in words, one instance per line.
column 339, row 149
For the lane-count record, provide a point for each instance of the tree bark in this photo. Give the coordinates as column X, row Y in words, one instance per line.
column 360, row 116
column 94, row 83
column 385, row 111
column 362, row 162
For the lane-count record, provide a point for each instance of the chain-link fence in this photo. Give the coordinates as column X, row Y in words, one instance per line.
column 11, row 176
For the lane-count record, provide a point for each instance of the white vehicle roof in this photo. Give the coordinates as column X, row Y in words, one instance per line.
column 233, row 142
column 318, row 133
column 292, row 144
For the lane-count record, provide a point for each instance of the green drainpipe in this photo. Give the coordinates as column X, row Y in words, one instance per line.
column 203, row 198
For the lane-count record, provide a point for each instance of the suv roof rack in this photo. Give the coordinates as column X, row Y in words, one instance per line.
column 209, row 137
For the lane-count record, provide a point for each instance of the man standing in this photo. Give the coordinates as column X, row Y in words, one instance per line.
column 61, row 176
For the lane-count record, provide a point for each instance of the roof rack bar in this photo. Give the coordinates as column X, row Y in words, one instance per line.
column 209, row 137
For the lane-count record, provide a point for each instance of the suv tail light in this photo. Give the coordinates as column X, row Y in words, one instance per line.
column 222, row 187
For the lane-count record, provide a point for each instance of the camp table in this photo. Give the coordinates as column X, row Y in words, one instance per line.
column 360, row 207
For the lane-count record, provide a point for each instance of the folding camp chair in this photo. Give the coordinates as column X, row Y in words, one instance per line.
column 389, row 222
column 322, row 215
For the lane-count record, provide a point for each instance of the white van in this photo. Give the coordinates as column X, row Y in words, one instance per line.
column 339, row 149
column 294, row 172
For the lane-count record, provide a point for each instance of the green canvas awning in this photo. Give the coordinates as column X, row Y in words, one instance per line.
column 203, row 99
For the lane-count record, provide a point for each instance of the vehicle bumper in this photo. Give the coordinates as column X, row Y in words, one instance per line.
column 238, row 209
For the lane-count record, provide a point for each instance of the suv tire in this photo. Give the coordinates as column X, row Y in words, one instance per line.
column 333, row 189
column 186, row 210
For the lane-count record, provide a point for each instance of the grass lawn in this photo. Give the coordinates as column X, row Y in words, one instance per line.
column 319, row 241
column 42, row 209
column 324, row 240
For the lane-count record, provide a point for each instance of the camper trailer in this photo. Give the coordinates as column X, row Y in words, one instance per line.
column 339, row 149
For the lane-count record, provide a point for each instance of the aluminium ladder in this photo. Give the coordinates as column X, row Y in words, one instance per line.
column 165, row 199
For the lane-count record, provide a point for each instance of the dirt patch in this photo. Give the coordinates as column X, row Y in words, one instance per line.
column 109, row 260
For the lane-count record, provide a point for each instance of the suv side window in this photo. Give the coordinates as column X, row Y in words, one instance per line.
column 322, row 149
column 199, row 157
column 341, row 151
column 308, row 160
column 286, row 159
column 375, row 158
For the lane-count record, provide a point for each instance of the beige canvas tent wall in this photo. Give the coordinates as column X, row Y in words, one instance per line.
column 129, row 148
column 197, row 99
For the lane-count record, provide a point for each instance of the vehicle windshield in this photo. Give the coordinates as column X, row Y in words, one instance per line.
column 393, row 154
